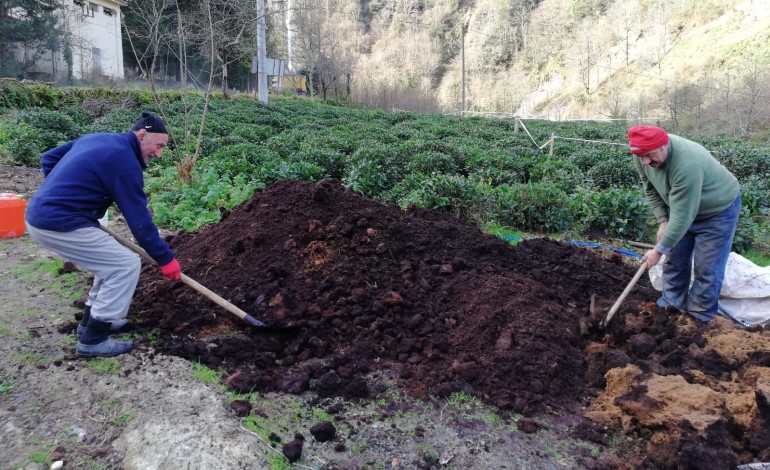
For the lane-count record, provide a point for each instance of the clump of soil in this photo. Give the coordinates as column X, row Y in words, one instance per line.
column 349, row 286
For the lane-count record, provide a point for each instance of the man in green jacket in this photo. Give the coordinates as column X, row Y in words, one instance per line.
column 696, row 202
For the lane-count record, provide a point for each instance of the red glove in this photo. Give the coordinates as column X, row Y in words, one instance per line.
column 172, row 270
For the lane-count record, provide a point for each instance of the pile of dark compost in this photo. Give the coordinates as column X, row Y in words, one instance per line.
column 368, row 286
column 353, row 289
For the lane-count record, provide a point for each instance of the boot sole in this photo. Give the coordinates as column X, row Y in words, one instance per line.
column 86, row 354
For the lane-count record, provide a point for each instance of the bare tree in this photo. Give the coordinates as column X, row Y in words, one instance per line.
column 228, row 29
column 684, row 104
column 308, row 38
column 613, row 104
column 624, row 18
column 151, row 14
column 587, row 58
column 751, row 108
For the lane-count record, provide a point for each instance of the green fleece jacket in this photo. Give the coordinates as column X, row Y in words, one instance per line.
column 691, row 185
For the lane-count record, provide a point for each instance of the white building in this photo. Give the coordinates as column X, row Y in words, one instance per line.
column 93, row 31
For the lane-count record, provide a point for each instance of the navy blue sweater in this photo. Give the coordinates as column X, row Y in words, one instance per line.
column 84, row 177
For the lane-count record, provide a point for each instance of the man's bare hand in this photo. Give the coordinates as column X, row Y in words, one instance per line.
column 651, row 257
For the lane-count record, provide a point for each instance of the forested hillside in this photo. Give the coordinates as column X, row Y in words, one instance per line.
column 695, row 65
column 701, row 65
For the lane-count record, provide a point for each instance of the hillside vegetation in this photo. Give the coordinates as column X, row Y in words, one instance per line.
column 693, row 64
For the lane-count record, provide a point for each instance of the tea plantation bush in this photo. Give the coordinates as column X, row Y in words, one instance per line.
column 53, row 127
column 458, row 195
column 537, row 207
column 613, row 173
column 618, row 212
column 471, row 167
column 20, row 144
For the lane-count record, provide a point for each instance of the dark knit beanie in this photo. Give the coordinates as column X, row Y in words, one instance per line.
column 151, row 123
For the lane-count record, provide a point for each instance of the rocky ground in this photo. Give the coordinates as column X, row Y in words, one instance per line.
column 395, row 340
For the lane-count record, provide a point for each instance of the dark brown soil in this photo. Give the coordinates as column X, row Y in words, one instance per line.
column 366, row 286
column 349, row 286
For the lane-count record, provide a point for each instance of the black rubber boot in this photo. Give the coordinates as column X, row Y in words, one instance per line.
column 95, row 341
column 84, row 321
column 114, row 326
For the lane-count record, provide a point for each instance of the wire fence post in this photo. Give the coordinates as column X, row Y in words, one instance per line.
column 550, row 145
column 516, row 125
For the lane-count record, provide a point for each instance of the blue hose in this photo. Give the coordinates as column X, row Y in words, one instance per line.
column 591, row 245
column 598, row 245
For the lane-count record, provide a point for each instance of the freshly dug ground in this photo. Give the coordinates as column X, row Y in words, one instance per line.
column 348, row 286
column 375, row 317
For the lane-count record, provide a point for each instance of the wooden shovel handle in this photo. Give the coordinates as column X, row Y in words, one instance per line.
column 622, row 297
column 186, row 280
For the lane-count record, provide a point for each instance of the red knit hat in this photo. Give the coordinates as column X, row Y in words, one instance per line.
column 643, row 139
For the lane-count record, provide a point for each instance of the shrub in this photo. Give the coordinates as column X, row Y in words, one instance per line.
column 431, row 162
column 613, row 172
column 253, row 134
column 539, row 207
column 331, row 162
column 210, row 144
column 286, row 143
column 755, row 194
column 587, row 158
column 238, row 158
column 750, row 232
column 117, row 120
column 500, row 168
column 272, row 170
column 618, row 212
column 81, row 117
column 461, row 196
column 743, row 161
column 20, row 145
column 374, row 170
column 562, row 173
column 54, row 127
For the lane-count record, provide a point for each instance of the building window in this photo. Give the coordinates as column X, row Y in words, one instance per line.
column 108, row 11
column 93, row 8
column 96, row 58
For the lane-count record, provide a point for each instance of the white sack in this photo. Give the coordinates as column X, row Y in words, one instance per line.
column 745, row 293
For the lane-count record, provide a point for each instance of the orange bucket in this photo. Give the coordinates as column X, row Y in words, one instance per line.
column 12, row 215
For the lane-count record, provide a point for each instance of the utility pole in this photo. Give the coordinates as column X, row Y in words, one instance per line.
column 261, row 52
column 462, row 59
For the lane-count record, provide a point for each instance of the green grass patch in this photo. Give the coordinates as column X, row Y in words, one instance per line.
column 258, row 424
column 104, row 365
column 250, row 397
column 5, row 384
column 47, row 272
column 113, row 411
column 123, row 419
column 29, row 358
column 40, row 456
column 276, row 461
column 463, row 401
column 206, row 374
column 760, row 259
column 508, row 234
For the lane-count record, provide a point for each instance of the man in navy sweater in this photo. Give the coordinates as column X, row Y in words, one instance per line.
column 83, row 178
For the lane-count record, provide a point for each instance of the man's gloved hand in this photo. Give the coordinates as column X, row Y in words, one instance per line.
column 172, row 270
